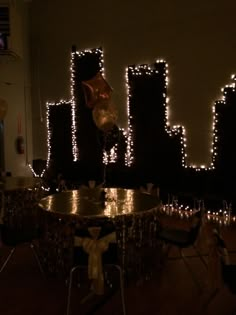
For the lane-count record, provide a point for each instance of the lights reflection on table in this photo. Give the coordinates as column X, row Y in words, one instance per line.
column 114, row 204
column 89, row 202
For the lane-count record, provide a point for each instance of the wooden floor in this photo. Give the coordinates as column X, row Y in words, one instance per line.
column 23, row 290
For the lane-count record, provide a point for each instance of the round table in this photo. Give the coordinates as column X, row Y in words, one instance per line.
column 14, row 191
column 91, row 203
column 18, row 183
column 18, row 201
column 134, row 214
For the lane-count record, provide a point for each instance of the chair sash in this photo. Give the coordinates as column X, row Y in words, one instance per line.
column 92, row 184
column 147, row 189
column 95, row 247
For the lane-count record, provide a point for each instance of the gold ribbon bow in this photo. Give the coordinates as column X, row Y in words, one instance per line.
column 95, row 247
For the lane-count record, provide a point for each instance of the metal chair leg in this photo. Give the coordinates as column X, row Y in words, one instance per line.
column 200, row 256
column 190, row 271
column 122, row 289
column 8, row 258
column 37, row 259
column 35, row 255
column 210, row 299
column 69, row 290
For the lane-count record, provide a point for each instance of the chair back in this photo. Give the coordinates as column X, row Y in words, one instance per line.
column 151, row 189
column 196, row 225
column 106, row 226
column 228, row 269
column 229, row 276
column 91, row 183
column 98, row 231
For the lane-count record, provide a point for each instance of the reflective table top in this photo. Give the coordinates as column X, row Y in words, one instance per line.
column 91, row 202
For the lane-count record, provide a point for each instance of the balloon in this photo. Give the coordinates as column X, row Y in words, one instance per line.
column 3, row 108
column 90, row 95
column 95, row 90
column 104, row 115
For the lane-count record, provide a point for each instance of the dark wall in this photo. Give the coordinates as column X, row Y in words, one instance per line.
column 157, row 156
column 89, row 137
column 60, row 120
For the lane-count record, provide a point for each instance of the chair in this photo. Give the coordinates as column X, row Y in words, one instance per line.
column 227, row 270
column 183, row 239
column 95, row 249
column 18, row 222
column 91, row 184
column 150, row 188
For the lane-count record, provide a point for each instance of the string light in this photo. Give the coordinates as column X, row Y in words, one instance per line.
column 74, row 124
column 161, row 69
column 112, row 155
column 34, row 173
column 129, row 133
column 215, row 110
column 221, row 217
column 49, row 134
